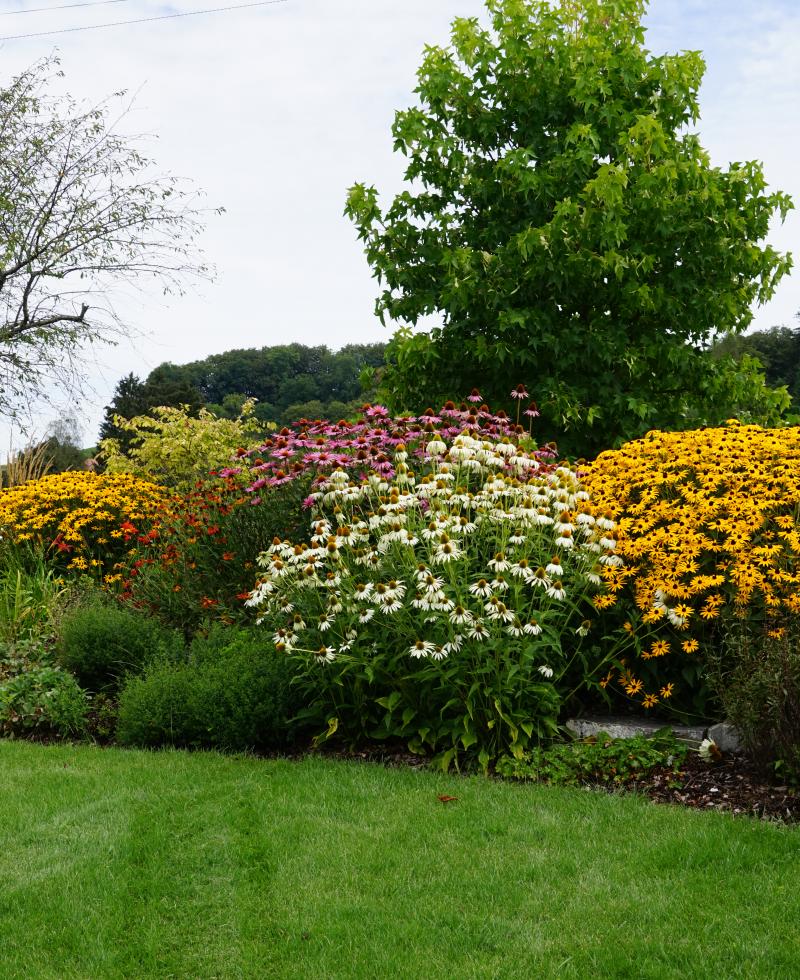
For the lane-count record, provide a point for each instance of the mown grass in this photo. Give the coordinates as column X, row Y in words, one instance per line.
column 134, row 864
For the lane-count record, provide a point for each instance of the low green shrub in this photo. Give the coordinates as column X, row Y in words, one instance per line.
column 44, row 700
column 600, row 760
column 100, row 643
column 232, row 694
column 756, row 675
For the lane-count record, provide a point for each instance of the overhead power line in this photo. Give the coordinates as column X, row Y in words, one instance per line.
column 61, row 6
column 143, row 20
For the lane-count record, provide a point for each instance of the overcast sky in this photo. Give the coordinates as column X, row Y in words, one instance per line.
column 275, row 111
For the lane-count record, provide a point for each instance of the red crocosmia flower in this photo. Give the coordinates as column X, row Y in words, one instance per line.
column 127, row 527
column 242, row 596
column 212, row 530
column 228, row 556
column 60, row 544
column 207, row 603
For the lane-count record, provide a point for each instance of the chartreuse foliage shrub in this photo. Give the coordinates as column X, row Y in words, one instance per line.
column 231, row 694
column 707, row 528
column 84, row 522
column 101, row 642
column 452, row 609
column 175, row 446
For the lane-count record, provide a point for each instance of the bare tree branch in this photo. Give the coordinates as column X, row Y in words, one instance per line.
column 79, row 205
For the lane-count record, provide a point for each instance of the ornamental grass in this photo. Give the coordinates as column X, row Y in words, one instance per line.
column 84, row 522
column 707, row 525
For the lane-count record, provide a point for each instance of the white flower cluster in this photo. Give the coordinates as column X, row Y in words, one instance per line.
column 485, row 548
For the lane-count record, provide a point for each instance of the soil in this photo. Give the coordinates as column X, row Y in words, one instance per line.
column 732, row 784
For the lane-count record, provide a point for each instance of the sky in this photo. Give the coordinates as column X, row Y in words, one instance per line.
column 275, row 111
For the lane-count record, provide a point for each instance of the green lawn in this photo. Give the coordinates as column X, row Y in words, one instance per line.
column 129, row 864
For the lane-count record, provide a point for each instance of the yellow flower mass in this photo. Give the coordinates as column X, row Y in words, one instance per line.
column 74, row 516
column 707, row 524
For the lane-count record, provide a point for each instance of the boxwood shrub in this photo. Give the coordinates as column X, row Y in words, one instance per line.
column 231, row 694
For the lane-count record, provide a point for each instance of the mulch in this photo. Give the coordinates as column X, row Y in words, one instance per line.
column 733, row 784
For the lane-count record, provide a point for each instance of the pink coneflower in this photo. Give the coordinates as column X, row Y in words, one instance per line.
column 519, row 392
column 475, row 396
column 532, row 411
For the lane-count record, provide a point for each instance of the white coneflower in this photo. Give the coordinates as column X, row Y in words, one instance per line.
column 555, row 568
column 345, row 647
column 421, row 602
column 389, row 605
column 478, row 632
column 396, row 588
column 454, row 645
column 481, row 588
column 556, row 590
column 365, row 615
column 499, row 584
column 515, row 628
column 540, row 578
column 605, row 523
column 613, row 561
column 436, row 447
column 438, row 653
column 460, row 616
column 565, row 540
column 608, row 543
column 286, row 607
column 532, row 628
column 363, row 590
column 325, row 655
column 422, row 648
column 431, row 583
column 281, row 636
column 522, row 569
column 502, row 613
column 675, row 619
column 324, row 623
column 583, row 629
column 546, row 671
column 517, row 539
column 446, row 552
column 298, row 624
column 499, row 563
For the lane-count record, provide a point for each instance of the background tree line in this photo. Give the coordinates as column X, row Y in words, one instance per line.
column 289, row 381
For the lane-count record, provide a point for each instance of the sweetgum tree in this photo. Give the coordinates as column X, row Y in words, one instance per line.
column 569, row 226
